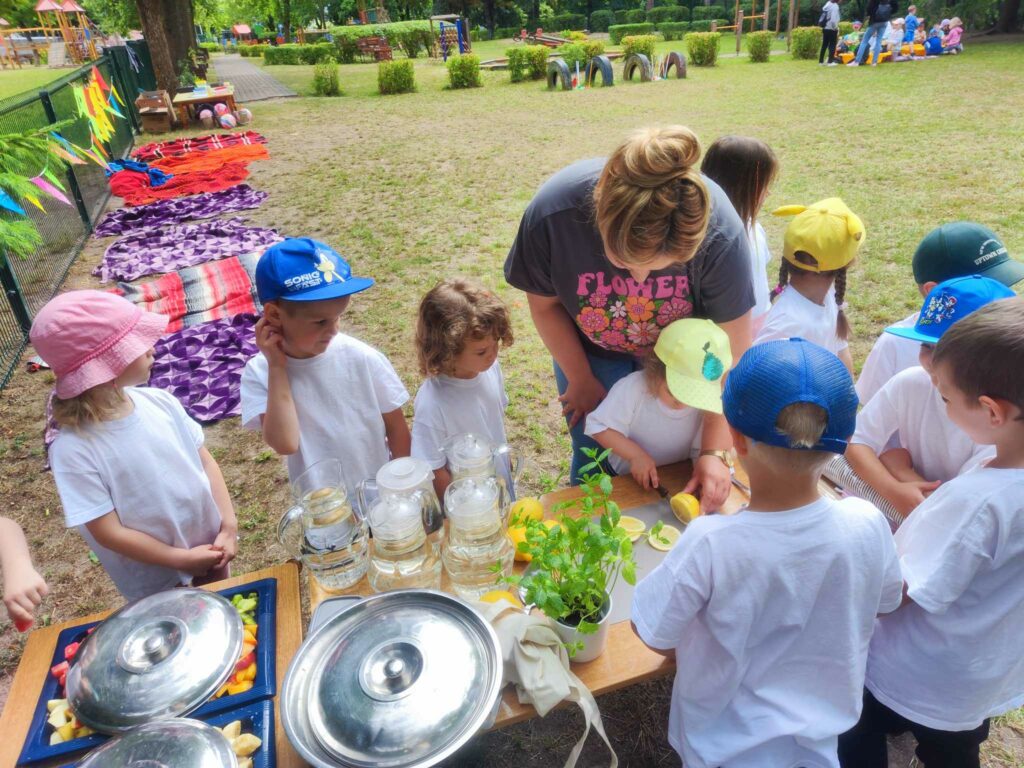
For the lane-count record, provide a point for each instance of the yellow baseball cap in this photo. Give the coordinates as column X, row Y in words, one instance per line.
column 696, row 354
column 828, row 230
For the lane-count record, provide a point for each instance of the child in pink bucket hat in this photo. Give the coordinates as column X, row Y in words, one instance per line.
column 133, row 475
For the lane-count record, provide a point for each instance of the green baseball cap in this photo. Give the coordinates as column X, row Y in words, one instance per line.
column 963, row 248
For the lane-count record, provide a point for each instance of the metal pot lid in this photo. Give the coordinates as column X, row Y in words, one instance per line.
column 168, row 744
column 400, row 680
column 404, row 474
column 156, row 658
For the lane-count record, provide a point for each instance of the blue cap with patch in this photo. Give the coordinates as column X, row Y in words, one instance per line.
column 950, row 301
column 303, row 269
column 777, row 374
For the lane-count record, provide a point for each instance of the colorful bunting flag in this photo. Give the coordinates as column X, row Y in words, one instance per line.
column 49, row 189
column 8, row 202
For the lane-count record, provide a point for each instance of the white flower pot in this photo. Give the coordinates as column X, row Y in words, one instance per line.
column 593, row 644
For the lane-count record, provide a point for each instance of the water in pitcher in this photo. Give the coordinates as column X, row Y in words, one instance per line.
column 334, row 542
column 403, row 556
column 476, row 539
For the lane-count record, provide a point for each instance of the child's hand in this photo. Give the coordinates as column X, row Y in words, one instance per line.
column 227, row 544
column 713, row 478
column 199, row 560
column 644, row 471
column 905, row 497
column 270, row 342
column 24, row 590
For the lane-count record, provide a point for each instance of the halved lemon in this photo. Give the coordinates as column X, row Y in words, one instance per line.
column 633, row 526
column 685, row 507
column 666, row 538
column 497, row 595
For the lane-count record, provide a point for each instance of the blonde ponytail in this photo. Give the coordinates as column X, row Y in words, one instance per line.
column 650, row 200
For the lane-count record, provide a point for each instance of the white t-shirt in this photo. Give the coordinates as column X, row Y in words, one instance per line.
column 759, row 258
column 770, row 615
column 890, row 355
column 147, row 467
column 446, row 406
column 668, row 435
column 794, row 316
column 910, row 408
column 339, row 397
column 952, row 657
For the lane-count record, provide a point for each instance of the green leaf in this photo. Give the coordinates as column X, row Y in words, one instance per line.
column 586, row 628
column 93, row 558
column 629, row 573
column 606, row 485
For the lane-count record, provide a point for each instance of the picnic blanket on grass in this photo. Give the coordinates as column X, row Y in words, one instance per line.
column 194, row 295
column 203, row 206
column 206, row 143
column 136, row 189
column 211, row 160
column 156, row 251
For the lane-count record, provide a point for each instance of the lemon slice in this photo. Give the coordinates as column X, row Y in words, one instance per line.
column 666, row 538
column 685, row 507
column 633, row 526
column 501, row 595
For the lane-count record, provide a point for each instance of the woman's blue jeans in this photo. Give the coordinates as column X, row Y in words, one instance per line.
column 607, row 371
column 877, row 30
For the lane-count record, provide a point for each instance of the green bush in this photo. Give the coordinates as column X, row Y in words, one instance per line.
column 702, row 48
column 618, row 31
column 620, row 17
column 639, row 44
column 317, row 53
column 506, row 33
column 636, row 17
column 573, row 36
column 708, row 12
column 759, row 45
column 806, row 42
column 410, row 37
column 593, row 48
column 283, row 54
column 674, row 30
column 527, row 62
column 211, row 47
column 573, row 54
column 464, row 71
column 568, row 21
column 251, row 51
column 704, row 25
column 396, row 77
column 668, row 13
column 845, row 28
column 325, row 79
column 601, row 20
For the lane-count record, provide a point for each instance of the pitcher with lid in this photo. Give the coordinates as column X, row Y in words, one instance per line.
column 472, row 455
column 403, row 557
column 476, row 538
column 323, row 529
column 402, row 477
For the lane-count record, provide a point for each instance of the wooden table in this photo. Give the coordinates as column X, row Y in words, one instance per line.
column 626, row 660
column 35, row 664
column 185, row 102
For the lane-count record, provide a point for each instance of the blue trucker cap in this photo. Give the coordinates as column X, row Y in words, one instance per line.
column 777, row 374
column 303, row 269
column 950, row 301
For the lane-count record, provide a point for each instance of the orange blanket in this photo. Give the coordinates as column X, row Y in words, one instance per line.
column 211, row 160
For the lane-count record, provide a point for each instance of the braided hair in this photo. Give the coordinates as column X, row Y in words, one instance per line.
column 783, row 279
column 842, row 324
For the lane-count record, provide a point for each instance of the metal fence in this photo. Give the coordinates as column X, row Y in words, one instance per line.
column 28, row 283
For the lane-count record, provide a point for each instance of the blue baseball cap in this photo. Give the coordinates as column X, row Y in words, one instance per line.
column 777, row 374
column 303, row 269
column 950, row 301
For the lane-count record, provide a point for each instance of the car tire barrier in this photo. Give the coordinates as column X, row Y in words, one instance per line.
column 603, row 65
column 637, row 61
column 674, row 59
column 558, row 72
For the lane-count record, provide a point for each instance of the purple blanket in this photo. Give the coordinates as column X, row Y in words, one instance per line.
column 202, row 366
column 204, row 206
column 156, row 251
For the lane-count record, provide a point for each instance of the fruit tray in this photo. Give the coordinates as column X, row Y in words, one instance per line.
column 37, row 743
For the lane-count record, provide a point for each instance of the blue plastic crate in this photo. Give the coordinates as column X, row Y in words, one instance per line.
column 37, row 746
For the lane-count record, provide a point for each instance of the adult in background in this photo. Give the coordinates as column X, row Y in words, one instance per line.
column 609, row 252
column 879, row 13
column 829, row 32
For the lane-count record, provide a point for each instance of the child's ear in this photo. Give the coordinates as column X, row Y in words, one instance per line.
column 739, row 442
column 999, row 411
column 272, row 312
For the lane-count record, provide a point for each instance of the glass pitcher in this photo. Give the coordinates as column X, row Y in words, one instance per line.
column 402, row 476
column 471, row 455
column 476, row 537
column 402, row 555
column 324, row 530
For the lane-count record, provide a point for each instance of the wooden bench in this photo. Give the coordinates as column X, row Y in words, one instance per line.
column 375, row 46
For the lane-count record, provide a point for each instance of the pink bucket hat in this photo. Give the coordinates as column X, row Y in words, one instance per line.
column 88, row 338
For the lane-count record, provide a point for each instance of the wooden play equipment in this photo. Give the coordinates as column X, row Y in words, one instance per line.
column 539, row 38
column 65, row 33
column 737, row 27
column 452, row 35
column 375, row 46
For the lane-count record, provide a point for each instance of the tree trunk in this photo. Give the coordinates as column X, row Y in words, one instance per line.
column 489, row 14
column 286, row 19
column 167, row 27
column 1008, row 16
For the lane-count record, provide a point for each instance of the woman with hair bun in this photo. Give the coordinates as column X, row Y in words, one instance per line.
column 609, row 252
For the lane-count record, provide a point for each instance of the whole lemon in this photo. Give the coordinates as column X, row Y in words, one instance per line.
column 526, row 508
column 685, row 507
column 517, row 533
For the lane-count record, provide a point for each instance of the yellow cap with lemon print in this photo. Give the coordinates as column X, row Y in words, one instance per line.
column 696, row 355
column 828, row 230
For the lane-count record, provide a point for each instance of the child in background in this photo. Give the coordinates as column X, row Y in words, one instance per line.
column 910, row 24
column 314, row 392
column 957, row 249
column 820, row 244
column 769, row 611
column 894, row 39
column 849, row 42
column 654, row 417
column 129, row 464
column 931, row 449
column 24, row 588
column 745, row 168
column 949, row 659
column 951, row 41
column 460, row 330
column 933, row 44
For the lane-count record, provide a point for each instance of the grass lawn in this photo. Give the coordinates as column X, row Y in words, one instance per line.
column 15, row 81
column 415, row 187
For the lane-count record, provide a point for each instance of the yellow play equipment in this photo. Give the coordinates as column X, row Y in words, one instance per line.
column 65, row 33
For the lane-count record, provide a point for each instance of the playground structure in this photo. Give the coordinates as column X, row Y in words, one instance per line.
column 452, row 35
column 65, row 34
column 381, row 15
column 539, row 38
column 560, row 77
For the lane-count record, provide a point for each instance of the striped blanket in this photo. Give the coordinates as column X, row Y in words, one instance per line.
column 157, row 149
column 211, row 291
